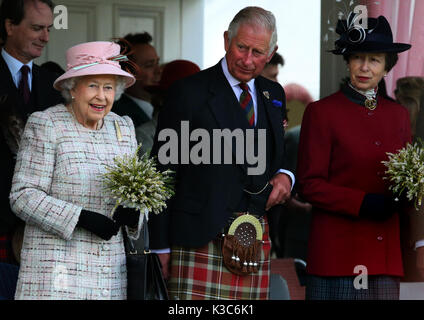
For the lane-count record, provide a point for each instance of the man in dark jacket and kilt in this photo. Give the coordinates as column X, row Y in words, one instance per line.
column 223, row 199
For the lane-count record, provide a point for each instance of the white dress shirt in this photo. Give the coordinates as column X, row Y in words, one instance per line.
column 234, row 83
column 15, row 66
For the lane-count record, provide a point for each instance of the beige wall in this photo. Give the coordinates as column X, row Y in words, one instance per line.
column 176, row 25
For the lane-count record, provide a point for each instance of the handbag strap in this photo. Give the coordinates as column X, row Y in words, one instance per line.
column 132, row 244
column 146, row 234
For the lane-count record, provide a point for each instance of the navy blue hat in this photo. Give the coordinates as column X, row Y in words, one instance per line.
column 377, row 37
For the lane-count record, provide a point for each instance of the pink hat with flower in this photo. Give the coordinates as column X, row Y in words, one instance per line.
column 92, row 58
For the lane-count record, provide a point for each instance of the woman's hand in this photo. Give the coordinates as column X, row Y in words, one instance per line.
column 98, row 224
column 378, row 207
column 126, row 216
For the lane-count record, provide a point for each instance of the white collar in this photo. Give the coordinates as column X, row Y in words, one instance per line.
column 370, row 94
column 14, row 64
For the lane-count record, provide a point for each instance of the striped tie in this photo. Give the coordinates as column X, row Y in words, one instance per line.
column 246, row 103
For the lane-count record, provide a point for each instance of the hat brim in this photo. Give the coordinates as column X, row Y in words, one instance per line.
column 373, row 47
column 95, row 70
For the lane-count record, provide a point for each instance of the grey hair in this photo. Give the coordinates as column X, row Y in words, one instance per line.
column 68, row 84
column 258, row 17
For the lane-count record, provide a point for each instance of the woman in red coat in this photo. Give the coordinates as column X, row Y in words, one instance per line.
column 354, row 247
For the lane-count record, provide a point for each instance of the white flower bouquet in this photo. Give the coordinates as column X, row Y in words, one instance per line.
column 134, row 182
column 405, row 170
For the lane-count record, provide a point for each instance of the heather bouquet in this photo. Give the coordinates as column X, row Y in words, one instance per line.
column 405, row 170
column 135, row 182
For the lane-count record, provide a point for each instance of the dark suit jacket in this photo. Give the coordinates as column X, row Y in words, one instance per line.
column 127, row 107
column 207, row 194
column 11, row 104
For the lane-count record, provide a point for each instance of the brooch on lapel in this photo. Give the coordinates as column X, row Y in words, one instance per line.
column 277, row 103
column 118, row 131
column 266, row 94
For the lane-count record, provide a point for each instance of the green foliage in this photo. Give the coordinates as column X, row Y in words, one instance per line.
column 135, row 182
column 405, row 170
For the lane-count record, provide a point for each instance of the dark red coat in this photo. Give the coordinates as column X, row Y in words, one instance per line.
column 341, row 148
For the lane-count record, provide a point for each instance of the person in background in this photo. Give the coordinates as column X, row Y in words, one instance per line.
column 53, row 67
column 291, row 226
column 172, row 71
column 136, row 101
column 208, row 197
column 343, row 140
column 288, row 224
column 271, row 69
column 24, row 88
column 73, row 246
column 410, row 93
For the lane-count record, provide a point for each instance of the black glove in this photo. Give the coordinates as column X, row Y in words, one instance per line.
column 98, row 224
column 378, row 207
column 126, row 216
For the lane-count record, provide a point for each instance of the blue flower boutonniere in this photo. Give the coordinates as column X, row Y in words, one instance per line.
column 277, row 103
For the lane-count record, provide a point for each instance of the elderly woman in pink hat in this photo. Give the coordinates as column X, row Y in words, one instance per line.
column 73, row 248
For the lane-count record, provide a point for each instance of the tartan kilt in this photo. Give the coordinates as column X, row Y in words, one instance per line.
column 380, row 287
column 200, row 273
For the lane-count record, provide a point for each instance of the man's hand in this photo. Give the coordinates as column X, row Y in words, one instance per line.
column 420, row 260
column 281, row 190
column 164, row 260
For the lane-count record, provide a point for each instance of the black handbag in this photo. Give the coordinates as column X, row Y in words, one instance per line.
column 144, row 271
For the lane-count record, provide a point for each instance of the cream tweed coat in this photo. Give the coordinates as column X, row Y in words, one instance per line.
column 58, row 173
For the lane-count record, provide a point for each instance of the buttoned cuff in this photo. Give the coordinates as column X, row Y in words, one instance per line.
column 290, row 174
column 419, row 244
column 159, row 251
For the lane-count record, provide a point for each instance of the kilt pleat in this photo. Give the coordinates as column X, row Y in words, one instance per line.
column 200, row 274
